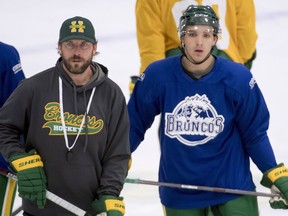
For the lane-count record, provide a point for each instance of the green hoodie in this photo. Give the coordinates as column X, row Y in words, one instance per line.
column 98, row 161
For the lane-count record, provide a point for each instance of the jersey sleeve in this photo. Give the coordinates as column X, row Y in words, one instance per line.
column 246, row 29
column 143, row 106
column 150, row 32
column 11, row 72
column 253, row 122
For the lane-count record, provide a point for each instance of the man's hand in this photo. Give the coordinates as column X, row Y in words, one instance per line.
column 113, row 206
column 277, row 180
column 31, row 177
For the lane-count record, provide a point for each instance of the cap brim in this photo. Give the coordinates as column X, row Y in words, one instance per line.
column 81, row 37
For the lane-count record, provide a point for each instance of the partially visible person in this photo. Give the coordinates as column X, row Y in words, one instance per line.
column 157, row 30
column 76, row 131
column 11, row 74
column 214, row 119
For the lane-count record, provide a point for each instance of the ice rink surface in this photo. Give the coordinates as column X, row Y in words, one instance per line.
column 32, row 26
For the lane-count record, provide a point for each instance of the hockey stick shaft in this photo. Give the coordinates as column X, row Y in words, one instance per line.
column 17, row 211
column 202, row 188
column 56, row 199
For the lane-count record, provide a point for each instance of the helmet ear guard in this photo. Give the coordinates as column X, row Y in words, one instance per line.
column 199, row 15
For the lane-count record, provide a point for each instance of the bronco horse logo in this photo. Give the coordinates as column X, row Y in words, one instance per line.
column 194, row 121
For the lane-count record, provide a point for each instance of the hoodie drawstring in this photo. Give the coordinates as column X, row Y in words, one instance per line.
column 86, row 123
column 75, row 99
column 83, row 120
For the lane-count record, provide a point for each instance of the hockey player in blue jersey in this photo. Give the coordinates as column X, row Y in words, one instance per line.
column 213, row 120
column 11, row 74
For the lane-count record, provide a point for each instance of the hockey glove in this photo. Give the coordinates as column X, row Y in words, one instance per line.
column 31, row 177
column 277, row 180
column 277, row 202
column 113, row 206
column 132, row 83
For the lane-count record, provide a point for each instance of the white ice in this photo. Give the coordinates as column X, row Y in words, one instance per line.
column 32, row 26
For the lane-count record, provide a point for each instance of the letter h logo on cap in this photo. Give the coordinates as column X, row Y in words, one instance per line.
column 74, row 26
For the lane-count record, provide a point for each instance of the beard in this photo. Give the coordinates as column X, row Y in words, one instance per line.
column 76, row 64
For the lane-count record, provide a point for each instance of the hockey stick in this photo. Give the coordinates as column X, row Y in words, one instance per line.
column 56, row 199
column 202, row 188
column 17, row 211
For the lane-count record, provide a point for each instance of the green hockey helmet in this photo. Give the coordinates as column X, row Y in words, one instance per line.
column 199, row 15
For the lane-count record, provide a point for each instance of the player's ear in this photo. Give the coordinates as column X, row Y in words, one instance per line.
column 95, row 49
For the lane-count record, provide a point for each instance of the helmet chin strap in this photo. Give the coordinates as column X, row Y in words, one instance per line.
column 195, row 62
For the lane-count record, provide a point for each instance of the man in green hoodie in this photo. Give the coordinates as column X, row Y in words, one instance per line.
column 76, row 128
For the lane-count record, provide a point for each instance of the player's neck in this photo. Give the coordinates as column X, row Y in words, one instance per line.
column 198, row 70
